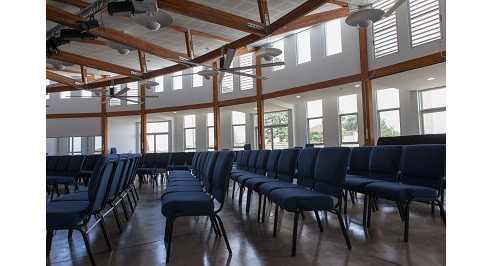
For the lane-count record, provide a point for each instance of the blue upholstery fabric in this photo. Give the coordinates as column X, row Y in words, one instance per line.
column 51, row 167
column 267, row 187
column 121, row 168
column 209, row 170
column 182, row 178
column 359, row 160
column 399, row 192
column 244, row 160
column 75, row 165
column 64, row 180
column 305, row 168
column 66, row 213
column 292, row 199
column 253, row 157
column 272, row 163
column 330, row 170
column 185, row 183
column 261, row 162
column 423, row 165
column 81, row 196
column 286, row 165
column 175, row 189
column 62, row 166
column 186, row 203
column 85, row 173
column 145, row 171
column 358, row 183
column 444, row 182
column 384, row 162
column 254, row 183
column 100, row 180
column 242, row 179
column 220, row 175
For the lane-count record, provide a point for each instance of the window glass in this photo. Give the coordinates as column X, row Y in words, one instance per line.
column 347, row 104
column 315, row 130
column 86, row 94
column 133, row 86
column 333, row 32
column 162, row 143
column 349, row 128
column 239, row 133
column 160, row 87
column 115, row 101
column 227, row 83
column 197, row 79
column 210, row 119
column 246, row 83
column 433, row 98
column 384, row 32
column 425, row 21
column 189, row 121
column 389, row 123
column 190, row 138
column 178, row 80
column 211, row 140
column 303, row 47
column 65, row 95
column 434, row 122
column 315, row 108
column 150, row 143
column 238, row 118
column 276, row 118
column 388, row 98
column 98, row 145
column 157, row 127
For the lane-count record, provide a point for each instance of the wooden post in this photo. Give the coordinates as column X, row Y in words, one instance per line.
column 366, row 85
column 215, row 87
column 260, row 110
column 189, row 44
column 143, row 115
column 104, row 123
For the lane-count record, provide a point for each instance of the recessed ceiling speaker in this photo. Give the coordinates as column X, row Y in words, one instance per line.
column 208, row 73
column 153, row 20
column 364, row 17
column 268, row 53
column 122, row 49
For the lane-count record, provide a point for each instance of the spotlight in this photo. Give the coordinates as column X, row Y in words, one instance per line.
column 88, row 25
column 120, row 7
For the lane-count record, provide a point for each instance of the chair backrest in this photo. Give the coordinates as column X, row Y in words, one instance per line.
column 359, row 160
column 179, row 158
column 119, row 175
column 305, row 167
column 47, row 161
column 245, row 160
column 209, row 170
column 272, row 163
column 51, row 167
column 203, row 165
column 149, row 160
column 286, row 165
column 162, row 160
column 330, row 170
column 100, row 180
column 239, row 156
column 199, row 163
column 132, row 159
column 423, row 165
column 132, row 175
column 384, row 162
column 75, row 165
column 261, row 162
column 222, row 171
column 196, row 158
column 189, row 157
column 252, row 161
column 62, row 165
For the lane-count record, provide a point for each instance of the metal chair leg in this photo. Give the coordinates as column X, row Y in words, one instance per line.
column 125, row 210
column 320, row 225
column 345, row 201
column 117, row 218
column 369, row 212
column 49, row 240
column 294, row 234
column 264, row 207
column 344, row 229
column 259, row 208
column 224, row 233
column 275, row 221
column 248, row 200
column 407, row 220
column 364, row 219
column 105, row 233
column 169, row 240
column 87, row 246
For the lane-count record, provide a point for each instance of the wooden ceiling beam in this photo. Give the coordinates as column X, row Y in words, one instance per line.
column 340, row 3
column 212, row 15
column 68, row 19
column 189, row 44
column 315, row 19
column 302, row 10
column 64, row 80
column 76, row 3
column 83, row 72
column 263, row 9
column 67, row 71
column 93, row 63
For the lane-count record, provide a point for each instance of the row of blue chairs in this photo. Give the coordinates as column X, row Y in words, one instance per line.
column 111, row 181
column 155, row 164
column 194, row 192
column 400, row 173
column 63, row 170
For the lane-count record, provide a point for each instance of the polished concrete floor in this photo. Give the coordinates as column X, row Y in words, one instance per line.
column 194, row 243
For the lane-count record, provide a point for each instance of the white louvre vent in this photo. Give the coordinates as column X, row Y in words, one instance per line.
column 425, row 21
column 384, row 31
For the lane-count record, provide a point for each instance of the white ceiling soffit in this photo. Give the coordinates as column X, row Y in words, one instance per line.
column 414, row 79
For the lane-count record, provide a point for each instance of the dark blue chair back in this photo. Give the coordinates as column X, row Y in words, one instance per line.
column 62, row 166
column 239, row 156
column 261, row 162
column 203, row 164
column 272, row 163
column 330, row 170
column 222, row 171
column 149, row 160
column 75, row 165
column 305, row 168
column 52, row 164
column 121, row 167
column 286, row 165
column 359, row 160
column 384, row 162
column 209, row 170
column 252, row 161
column 423, row 165
column 162, row 160
column 100, row 181
column 245, row 160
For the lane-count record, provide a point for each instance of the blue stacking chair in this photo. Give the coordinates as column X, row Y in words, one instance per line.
column 384, row 165
column 260, row 171
column 421, row 175
column 251, row 166
column 329, row 176
column 237, row 161
column 241, row 167
column 284, row 171
column 175, row 205
column 75, row 215
column 359, row 166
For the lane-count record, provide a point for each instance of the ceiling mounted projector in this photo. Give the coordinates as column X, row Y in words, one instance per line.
column 268, row 53
column 153, row 20
column 364, row 17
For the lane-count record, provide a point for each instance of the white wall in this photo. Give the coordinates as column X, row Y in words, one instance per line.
column 72, row 105
column 122, row 134
column 51, row 146
column 226, row 129
column 73, row 127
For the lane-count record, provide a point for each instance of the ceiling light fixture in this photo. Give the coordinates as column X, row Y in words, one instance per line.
column 431, row 78
column 268, row 53
column 358, row 85
column 174, row 112
column 298, row 96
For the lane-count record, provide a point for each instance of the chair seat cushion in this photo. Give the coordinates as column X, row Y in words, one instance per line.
column 82, row 190
column 399, row 192
column 175, row 189
column 185, row 183
column 242, row 179
column 85, row 173
column 160, row 170
column 145, row 171
column 66, row 213
column 254, row 183
column 181, row 178
column 291, row 199
column 81, row 196
column 186, row 203
column 358, row 183
column 52, row 180
column 266, row 188
column 239, row 173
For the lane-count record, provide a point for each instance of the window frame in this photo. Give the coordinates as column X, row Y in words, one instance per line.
column 271, row 127
column 71, row 150
column 423, row 111
column 379, row 111
column 308, row 119
column 234, row 147
column 297, row 47
column 155, row 134
column 210, row 148
column 184, row 133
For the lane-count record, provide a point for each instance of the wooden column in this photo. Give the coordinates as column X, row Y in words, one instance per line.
column 260, row 110
column 143, row 115
column 83, row 71
column 189, row 44
column 366, row 85
column 215, row 92
column 104, row 122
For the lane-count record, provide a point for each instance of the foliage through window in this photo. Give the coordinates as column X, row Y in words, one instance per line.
column 388, row 101
column 349, row 128
column 276, row 130
column 315, row 122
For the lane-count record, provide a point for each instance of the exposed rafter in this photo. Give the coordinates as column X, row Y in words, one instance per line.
column 189, row 44
column 212, row 15
column 284, row 21
column 103, row 43
column 68, row 19
column 93, row 63
column 64, row 80
column 67, row 71
column 263, row 9
column 76, row 3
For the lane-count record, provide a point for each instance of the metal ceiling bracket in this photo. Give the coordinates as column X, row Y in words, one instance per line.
column 254, row 26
